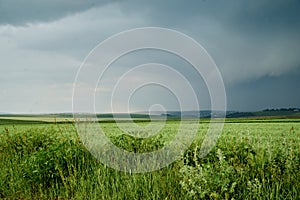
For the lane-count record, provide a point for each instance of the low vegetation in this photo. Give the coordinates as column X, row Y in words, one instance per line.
column 257, row 160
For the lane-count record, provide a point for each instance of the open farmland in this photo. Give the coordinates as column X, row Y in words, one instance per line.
column 253, row 159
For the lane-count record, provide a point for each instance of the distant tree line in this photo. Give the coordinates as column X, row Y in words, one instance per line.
column 282, row 109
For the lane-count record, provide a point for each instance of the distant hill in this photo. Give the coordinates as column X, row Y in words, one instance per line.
column 283, row 112
column 267, row 113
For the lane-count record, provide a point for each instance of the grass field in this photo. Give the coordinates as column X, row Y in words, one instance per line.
column 253, row 159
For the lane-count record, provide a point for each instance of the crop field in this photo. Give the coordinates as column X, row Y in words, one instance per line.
column 253, row 159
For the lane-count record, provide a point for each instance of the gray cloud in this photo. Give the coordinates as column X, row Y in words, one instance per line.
column 266, row 92
column 75, row 35
column 252, row 42
column 31, row 11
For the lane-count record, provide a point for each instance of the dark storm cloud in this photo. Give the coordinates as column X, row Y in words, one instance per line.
column 20, row 12
column 247, row 39
column 266, row 92
column 254, row 43
column 238, row 14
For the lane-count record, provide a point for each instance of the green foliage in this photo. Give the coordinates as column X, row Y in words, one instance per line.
column 244, row 166
column 138, row 145
column 250, row 161
column 209, row 180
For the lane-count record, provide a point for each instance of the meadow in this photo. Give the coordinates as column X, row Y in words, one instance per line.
column 253, row 159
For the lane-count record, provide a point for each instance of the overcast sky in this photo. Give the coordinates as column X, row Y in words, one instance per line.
column 255, row 44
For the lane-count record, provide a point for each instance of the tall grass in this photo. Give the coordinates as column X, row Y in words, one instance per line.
column 250, row 161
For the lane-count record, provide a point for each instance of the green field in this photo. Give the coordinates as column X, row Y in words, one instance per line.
column 253, row 159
